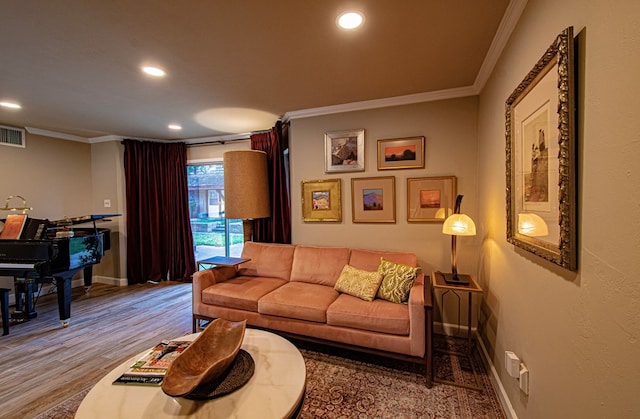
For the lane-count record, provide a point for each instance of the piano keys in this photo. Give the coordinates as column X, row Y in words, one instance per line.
column 43, row 255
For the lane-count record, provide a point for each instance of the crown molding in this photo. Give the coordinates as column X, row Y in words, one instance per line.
column 54, row 134
column 503, row 33
column 382, row 103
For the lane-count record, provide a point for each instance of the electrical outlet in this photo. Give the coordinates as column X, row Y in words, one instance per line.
column 107, row 203
column 512, row 364
column 524, row 379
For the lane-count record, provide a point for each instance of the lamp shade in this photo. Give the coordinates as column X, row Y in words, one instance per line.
column 246, row 187
column 459, row 225
column 532, row 225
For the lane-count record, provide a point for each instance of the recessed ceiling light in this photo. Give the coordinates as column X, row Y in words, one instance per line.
column 11, row 105
column 175, row 127
column 154, row 71
column 350, row 20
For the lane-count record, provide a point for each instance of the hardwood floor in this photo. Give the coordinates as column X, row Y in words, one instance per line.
column 42, row 364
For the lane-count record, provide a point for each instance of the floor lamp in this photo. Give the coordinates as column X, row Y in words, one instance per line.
column 246, row 188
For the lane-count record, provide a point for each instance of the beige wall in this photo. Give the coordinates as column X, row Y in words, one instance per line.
column 576, row 332
column 450, row 130
column 54, row 176
column 108, row 183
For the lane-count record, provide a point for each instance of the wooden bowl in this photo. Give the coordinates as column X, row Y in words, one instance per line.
column 208, row 356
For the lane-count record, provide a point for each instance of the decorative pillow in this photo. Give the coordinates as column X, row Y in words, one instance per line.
column 397, row 280
column 359, row 283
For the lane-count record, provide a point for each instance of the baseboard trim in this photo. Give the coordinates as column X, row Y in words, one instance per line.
column 449, row 329
column 120, row 282
column 507, row 407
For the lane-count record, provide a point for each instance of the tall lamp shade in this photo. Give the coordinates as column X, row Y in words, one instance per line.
column 246, row 188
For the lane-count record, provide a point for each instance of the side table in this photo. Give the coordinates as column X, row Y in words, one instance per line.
column 221, row 261
column 470, row 288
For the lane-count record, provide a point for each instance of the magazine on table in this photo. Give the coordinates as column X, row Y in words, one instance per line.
column 151, row 368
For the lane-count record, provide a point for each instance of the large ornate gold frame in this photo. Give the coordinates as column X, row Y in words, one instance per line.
column 549, row 84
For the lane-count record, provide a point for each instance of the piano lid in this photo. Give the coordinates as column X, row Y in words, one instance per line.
column 82, row 219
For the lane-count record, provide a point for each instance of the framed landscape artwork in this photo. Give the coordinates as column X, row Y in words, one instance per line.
column 430, row 199
column 321, row 200
column 373, row 199
column 541, row 157
column 344, row 151
column 401, row 153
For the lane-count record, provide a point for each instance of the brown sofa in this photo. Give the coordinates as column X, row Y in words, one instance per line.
column 289, row 289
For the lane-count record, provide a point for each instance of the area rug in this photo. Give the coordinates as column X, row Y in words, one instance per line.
column 345, row 384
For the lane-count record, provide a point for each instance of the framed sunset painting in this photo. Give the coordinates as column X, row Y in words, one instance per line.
column 401, row 153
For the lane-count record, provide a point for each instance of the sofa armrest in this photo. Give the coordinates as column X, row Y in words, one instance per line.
column 419, row 298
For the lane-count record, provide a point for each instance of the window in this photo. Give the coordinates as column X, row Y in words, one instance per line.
column 213, row 235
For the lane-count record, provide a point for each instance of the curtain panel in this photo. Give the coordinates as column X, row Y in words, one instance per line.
column 277, row 228
column 159, row 240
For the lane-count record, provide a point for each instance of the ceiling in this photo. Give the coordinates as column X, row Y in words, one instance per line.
column 74, row 65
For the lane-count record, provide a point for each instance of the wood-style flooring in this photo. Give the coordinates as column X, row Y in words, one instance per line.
column 42, row 364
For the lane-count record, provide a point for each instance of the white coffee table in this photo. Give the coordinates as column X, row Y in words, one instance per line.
column 276, row 389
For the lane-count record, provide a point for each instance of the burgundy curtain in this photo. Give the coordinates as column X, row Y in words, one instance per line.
column 159, row 241
column 277, row 228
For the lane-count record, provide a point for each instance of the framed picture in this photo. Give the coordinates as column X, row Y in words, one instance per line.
column 373, row 199
column 541, row 157
column 344, row 151
column 430, row 199
column 321, row 200
column 401, row 153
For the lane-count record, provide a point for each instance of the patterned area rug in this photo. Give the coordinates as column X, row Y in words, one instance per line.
column 345, row 384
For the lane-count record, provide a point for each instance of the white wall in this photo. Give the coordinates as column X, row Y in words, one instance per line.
column 576, row 332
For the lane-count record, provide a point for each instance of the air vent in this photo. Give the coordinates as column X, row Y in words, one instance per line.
column 12, row 136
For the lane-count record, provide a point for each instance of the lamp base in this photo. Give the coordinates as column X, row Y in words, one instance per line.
column 457, row 279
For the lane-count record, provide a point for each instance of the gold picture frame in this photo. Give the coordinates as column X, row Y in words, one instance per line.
column 430, row 199
column 401, row 153
column 541, row 157
column 344, row 151
column 373, row 199
column 321, row 200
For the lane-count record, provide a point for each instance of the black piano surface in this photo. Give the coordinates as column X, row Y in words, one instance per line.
column 41, row 255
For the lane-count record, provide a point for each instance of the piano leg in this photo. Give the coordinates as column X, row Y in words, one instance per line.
column 63, row 285
column 88, row 277
column 4, row 302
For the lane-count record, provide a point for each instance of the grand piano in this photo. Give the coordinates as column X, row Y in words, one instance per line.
column 47, row 252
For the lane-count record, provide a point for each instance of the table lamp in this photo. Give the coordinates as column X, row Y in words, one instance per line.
column 246, row 188
column 457, row 225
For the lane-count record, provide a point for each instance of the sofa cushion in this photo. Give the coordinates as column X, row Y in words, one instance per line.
column 241, row 292
column 397, row 280
column 376, row 316
column 319, row 265
column 267, row 260
column 369, row 260
column 359, row 283
column 299, row 300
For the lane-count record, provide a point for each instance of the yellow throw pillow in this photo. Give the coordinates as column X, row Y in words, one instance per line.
column 359, row 283
column 397, row 280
